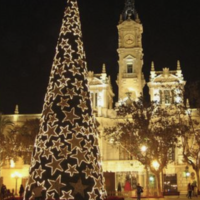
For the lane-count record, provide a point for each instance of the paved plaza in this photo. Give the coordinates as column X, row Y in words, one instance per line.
column 180, row 197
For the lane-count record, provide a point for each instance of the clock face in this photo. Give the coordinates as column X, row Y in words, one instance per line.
column 129, row 39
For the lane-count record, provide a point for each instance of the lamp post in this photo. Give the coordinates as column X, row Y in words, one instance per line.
column 16, row 176
column 156, row 166
column 144, row 152
column 187, row 173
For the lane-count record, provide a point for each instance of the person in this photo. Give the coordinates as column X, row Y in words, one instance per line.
column 119, row 188
column 3, row 191
column 21, row 191
column 139, row 190
column 194, row 189
column 189, row 188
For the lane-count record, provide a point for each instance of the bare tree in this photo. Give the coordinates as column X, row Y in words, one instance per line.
column 152, row 125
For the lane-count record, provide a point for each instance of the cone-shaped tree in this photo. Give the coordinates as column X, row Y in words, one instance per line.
column 66, row 160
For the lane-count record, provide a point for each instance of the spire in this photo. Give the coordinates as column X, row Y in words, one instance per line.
column 137, row 19
column 152, row 66
column 66, row 158
column 129, row 10
column 187, row 104
column 104, row 68
column 152, row 73
column 16, row 109
column 178, row 65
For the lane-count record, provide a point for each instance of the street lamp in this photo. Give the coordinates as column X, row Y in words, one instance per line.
column 16, row 175
column 187, row 173
column 155, row 164
column 143, row 149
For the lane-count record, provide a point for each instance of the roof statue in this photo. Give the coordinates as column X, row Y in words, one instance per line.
column 129, row 10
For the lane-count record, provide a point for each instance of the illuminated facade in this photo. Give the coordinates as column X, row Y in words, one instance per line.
column 164, row 86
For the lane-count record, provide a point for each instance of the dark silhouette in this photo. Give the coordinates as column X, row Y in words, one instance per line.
column 3, row 191
column 21, row 191
column 189, row 188
column 139, row 191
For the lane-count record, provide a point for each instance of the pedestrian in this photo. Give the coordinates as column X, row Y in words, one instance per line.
column 194, row 191
column 139, row 190
column 21, row 191
column 3, row 191
column 189, row 188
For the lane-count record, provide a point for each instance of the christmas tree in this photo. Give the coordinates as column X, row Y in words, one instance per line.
column 66, row 160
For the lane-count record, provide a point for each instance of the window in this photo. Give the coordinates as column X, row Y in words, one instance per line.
column 167, row 96
column 129, row 68
column 170, row 183
column 171, row 154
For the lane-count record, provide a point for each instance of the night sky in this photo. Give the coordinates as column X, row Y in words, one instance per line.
column 29, row 30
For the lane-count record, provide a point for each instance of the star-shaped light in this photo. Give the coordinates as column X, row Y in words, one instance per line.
column 92, row 158
column 80, row 156
column 63, row 103
column 83, row 105
column 51, row 131
column 77, row 129
column 39, row 172
column 72, row 169
column 57, row 144
column 86, row 118
column 78, row 84
column 37, row 156
column 53, row 119
column 65, row 131
column 88, row 145
column 56, row 185
column 79, row 188
column 74, row 70
column 47, row 110
column 64, row 42
column 98, row 183
column 50, row 195
column 84, row 95
column 67, row 195
column 55, row 165
column 56, row 91
column 63, row 81
column 75, row 142
column 68, row 51
column 70, row 116
column 88, row 172
column 57, row 61
column 47, row 152
column 64, row 152
column 92, row 195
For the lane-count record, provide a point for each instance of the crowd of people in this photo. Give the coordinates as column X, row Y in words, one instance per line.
column 192, row 190
column 10, row 193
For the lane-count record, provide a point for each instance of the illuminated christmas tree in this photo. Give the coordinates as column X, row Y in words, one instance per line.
column 66, row 160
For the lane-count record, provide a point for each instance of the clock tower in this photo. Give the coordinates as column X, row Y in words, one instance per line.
column 130, row 78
